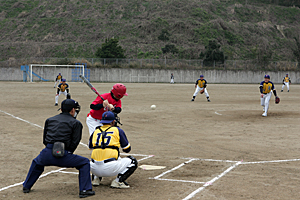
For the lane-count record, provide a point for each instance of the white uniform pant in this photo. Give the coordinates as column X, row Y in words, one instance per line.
column 265, row 101
column 57, row 95
column 113, row 168
column 287, row 84
column 198, row 89
column 172, row 80
column 92, row 123
column 57, row 82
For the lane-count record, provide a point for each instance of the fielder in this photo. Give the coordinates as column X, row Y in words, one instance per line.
column 200, row 86
column 286, row 82
column 105, row 161
column 98, row 107
column 266, row 88
column 58, row 79
column 172, row 79
column 62, row 88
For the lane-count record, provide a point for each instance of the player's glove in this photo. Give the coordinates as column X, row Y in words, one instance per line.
column 202, row 91
column 68, row 96
column 277, row 100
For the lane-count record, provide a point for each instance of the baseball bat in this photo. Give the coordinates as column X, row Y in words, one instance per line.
column 90, row 86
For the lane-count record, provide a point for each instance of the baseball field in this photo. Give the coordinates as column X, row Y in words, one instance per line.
column 223, row 149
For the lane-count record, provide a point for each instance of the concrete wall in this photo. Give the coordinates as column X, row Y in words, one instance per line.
column 153, row 75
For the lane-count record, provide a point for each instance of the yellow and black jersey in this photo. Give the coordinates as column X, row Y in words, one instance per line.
column 201, row 83
column 113, row 139
column 286, row 80
column 63, row 87
column 266, row 88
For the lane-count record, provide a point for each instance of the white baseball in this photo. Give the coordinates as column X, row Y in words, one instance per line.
column 153, row 107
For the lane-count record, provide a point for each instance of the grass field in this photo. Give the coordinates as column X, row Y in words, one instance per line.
column 223, row 149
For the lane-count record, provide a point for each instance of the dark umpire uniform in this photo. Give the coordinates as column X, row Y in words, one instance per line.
column 62, row 129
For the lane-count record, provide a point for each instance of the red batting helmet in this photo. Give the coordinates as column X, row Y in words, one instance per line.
column 119, row 90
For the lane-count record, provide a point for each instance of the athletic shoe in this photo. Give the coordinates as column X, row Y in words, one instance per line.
column 120, row 185
column 26, row 190
column 264, row 114
column 193, row 100
column 288, row 91
column 281, row 90
column 86, row 193
column 56, row 104
column 96, row 181
column 208, row 100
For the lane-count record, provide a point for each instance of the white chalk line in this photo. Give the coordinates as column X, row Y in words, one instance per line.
column 46, row 174
column 59, row 170
column 177, row 180
column 212, row 181
column 218, row 113
column 177, row 167
column 211, row 160
column 271, row 161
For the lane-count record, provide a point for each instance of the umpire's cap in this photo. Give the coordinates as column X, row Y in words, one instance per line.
column 201, row 76
column 267, row 76
column 68, row 104
column 107, row 117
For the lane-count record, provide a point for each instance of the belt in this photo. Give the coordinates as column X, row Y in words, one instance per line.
column 103, row 161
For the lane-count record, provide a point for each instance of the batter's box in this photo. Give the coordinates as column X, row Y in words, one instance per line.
column 195, row 171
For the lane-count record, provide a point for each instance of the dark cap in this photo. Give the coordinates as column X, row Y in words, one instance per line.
column 107, row 117
column 267, row 76
column 63, row 80
column 68, row 104
column 201, row 76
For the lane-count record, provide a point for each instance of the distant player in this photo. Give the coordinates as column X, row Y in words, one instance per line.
column 266, row 88
column 58, row 79
column 172, row 79
column 105, row 143
column 286, row 82
column 98, row 107
column 62, row 88
column 200, row 86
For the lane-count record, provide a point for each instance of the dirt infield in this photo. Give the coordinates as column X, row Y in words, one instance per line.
column 226, row 143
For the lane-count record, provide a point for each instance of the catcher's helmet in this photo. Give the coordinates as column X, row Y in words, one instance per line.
column 119, row 90
column 267, row 76
column 201, row 76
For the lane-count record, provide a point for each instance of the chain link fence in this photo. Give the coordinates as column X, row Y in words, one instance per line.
column 251, row 65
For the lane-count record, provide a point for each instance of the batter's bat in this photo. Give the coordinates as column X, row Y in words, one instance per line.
column 90, row 86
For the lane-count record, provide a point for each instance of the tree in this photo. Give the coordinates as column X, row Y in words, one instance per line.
column 296, row 51
column 110, row 49
column 169, row 48
column 213, row 52
column 164, row 35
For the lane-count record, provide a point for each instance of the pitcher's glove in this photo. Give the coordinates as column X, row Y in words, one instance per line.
column 277, row 100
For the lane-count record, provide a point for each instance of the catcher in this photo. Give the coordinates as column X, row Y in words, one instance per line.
column 266, row 88
column 200, row 86
column 105, row 143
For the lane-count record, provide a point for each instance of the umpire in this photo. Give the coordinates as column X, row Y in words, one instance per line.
column 62, row 134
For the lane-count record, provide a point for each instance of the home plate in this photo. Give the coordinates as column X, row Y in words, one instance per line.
column 151, row 167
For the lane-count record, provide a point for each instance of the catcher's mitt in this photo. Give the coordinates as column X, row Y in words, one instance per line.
column 277, row 100
column 201, row 91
